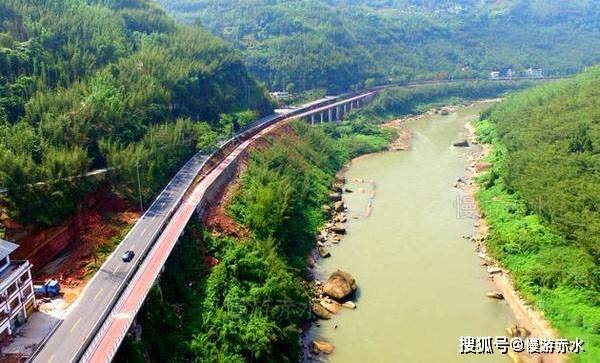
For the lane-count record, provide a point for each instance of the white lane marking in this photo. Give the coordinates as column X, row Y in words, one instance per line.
column 98, row 294
column 75, row 325
column 144, row 231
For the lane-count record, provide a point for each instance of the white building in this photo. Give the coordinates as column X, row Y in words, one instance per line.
column 281, row 95
column 17, row 299
column 495, row 75
column 534, row 72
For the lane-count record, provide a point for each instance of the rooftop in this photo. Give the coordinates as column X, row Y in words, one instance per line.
column 6, row 248
column 13, row 270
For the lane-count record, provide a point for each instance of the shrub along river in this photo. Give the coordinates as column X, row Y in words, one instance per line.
column 421, row 286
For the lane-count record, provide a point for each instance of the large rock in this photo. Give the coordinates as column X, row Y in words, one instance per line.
column 461, row 143
column 332, row 306
column 338, row 228
column 319, row 346
column 349, row 305
column 495, row 295
column 323, row 252
column 340, row 285
column 339, row 206
column 336, row 197
column 320, row 312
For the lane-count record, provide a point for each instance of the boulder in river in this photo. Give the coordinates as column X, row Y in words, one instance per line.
column 320, row 312
column 319, row 346
column 339, row 206
column 336, row 197
column 340, row 285
column 349, row 305
column 495, row 295
column 326, row 208
column 338, row 228
column 323, row 252
column 332, row 306
column 461, row 143
column 494, row 270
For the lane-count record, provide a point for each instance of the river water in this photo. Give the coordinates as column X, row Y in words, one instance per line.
column 421, row 286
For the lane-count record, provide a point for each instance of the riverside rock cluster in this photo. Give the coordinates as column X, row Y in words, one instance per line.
column 330, row 297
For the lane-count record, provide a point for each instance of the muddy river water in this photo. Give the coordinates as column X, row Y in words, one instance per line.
column 421, row 286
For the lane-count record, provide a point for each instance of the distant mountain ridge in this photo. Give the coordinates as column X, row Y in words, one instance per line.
column 339, row 44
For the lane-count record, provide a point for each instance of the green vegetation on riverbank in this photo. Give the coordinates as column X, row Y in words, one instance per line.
column 540, row 200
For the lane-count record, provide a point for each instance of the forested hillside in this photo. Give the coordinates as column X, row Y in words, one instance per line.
column 541, row 199
column 249, row 307
column 337, row 44
column 90, row 84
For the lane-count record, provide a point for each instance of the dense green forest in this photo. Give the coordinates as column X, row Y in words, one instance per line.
column 339, row 44
column 541, row 199
column 112, row 84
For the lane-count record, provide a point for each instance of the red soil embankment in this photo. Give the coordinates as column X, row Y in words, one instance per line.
column 101, row 216
column 216, row 220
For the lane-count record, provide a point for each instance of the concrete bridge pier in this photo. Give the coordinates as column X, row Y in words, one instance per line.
column 330, row 114
column 312, row 119
column 322, row 116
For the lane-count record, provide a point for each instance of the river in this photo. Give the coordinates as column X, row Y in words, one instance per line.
column 421, row 286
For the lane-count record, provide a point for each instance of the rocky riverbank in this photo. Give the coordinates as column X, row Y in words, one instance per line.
column 529, row 321
column 328, row 298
